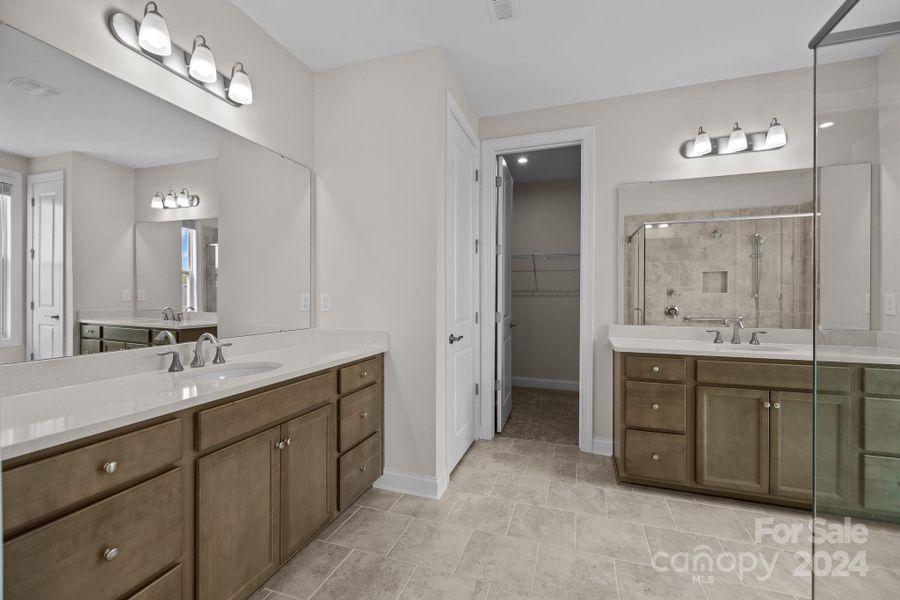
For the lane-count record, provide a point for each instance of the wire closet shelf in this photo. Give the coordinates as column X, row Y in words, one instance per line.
column 546, row 274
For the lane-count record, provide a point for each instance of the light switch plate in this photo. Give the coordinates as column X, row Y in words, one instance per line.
column 890, row 305
column 306, row 302
column 325, row 302
column 126, row 295
column 141, row 296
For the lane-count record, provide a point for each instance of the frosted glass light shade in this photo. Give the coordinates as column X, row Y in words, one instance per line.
column 240, row 90
column 776, row 136
column 153, row 35
column 737, row 141
column 183, row 200
column 157, row 201
column 203, row 63
column 170, row 201
column 702, row 145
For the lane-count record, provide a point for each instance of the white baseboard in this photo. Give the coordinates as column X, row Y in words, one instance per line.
column 545, row 384
column 603, row 446
column 414, row 485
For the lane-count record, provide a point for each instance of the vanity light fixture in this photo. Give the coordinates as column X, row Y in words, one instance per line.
column 183, row 199
column 240, row 90
column 702, row 145
column 153, row 35
column 522, row 160
column 157, row 201
column 776, row 136
column 737, row 141
column 203, row 63
column 170, row 201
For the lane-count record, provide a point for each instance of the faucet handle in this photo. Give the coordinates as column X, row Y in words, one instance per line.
column 176, row 365
column 718, row 333
column 754, row 339
column 220, row 358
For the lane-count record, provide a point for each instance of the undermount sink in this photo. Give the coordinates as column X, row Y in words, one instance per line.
column 236, row 371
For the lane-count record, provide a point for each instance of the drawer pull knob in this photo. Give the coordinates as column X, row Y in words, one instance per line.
column 287, row 441
column 364, row 468
column 110, row 467
column 655, row 456
column 280, row 445
column 655, row 369
column 363, row 414
column 111, row 553
column 766, row 404
column 778, row 405
column 655, row 406
column 364, row 374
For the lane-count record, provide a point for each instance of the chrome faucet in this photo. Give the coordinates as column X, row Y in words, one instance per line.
column 198, row 360
column 754, row 339
column 165, row 335
column 176, row 365
column 718, row 333
column 168, row 314
column 738, row 323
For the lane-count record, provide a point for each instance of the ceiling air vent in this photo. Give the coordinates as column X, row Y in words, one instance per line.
column 503, row 10
column 35, row 88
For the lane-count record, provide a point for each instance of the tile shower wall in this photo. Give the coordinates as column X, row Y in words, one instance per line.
column 706, row 269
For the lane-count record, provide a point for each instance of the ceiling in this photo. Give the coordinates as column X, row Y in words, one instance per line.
column 545, row 165
column 563, row 51
column 97, row 113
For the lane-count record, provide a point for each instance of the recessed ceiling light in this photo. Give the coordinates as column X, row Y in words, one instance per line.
column 522, row 160
column 826, row 124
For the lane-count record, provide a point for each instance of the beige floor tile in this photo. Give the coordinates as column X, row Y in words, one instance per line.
column 635, row 508
column 338, row 521
column 882, row 549
column 567, row 574
column 426, row 584
column 380, row 499
column 508, row 561
column 498, row 444
column 552, row 469
column 596, row 475
column 472, row 480
column 771, row 530
column 543, row 525
column 261, row 594
column 473, row 457
column 615, row 539
column 643, row 490
column 521, row 489
column 505, row 462
column 425, row 508
column 641, row 582
column 668, row 546
column 750, row 507
column 532, row 448
column 574, row 454
column 482, row 512
column 708, row 520
column 586, row 499
column 366, row 576
column 304, row 573
column 721, row 590
column 878, row 584
column 437, row 546
column 372, row 530
column 781, row 575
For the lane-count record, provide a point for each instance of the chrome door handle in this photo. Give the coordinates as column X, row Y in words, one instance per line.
column 513, row 324
column 54, row 317
column 455, row 338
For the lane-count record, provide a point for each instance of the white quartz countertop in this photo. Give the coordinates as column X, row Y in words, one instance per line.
column 150, row 323
column 43, row 419
column 803, row 352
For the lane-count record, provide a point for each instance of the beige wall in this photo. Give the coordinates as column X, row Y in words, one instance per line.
column 546, row 219
column 638, row 139
column 380, row 222
column 281, row 114
column 199, row 176
column 17, row 164
column 157, row 264
column 888, row 168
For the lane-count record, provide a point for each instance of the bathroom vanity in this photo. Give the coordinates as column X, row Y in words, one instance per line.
column 201, row 502
column 742, row 426
column 111, row 335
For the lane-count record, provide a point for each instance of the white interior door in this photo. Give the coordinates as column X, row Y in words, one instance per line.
column 462, row 333
column 504, row 295
column 46, row 266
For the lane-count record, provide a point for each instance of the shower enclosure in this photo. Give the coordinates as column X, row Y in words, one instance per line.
column 857, row 401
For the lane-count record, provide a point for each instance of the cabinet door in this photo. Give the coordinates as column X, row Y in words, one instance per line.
column 308, row 484
column 733, row 439
column 237, row 517
column 792, row 447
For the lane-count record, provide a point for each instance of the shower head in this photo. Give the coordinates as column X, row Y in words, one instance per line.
column 760, row 238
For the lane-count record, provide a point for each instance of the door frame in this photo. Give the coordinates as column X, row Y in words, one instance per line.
column 490, row 150
column 29, row 263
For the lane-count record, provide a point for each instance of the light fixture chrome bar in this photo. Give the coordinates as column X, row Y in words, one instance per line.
column 125, row 29
column 648, row 224
column 756, row 142
column 832, row 22
column 862, row 33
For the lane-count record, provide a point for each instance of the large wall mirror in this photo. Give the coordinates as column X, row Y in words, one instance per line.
column 695, row 252
column 123, row 216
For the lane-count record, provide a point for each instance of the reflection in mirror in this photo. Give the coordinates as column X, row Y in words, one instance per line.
column 697, row 252
column 140, row 217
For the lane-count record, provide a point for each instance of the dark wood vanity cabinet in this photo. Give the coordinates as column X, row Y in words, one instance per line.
column 206, row 503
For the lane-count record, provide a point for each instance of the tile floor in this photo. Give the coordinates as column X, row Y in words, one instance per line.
column 543, row 416
column 525, row 519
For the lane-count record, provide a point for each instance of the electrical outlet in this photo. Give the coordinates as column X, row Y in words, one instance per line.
column 325, row 302
column 141, row 296
column 126, row 295
column 306, row 302
column 890, row 305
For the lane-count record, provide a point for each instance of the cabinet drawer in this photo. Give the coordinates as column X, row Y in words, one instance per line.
column 90, row 346
column 881, row 422
column 167, row 586
column 90, row 331
column 881, row 381
column 356, row 376
column 655, row 406
column 881, row 482
column 358, row 469
column 360, row 416
column 127, row 334
column 42, row 488
column 226, row 422
column 650, row 367
column 659, row 456
column 772, row 375
column 71, row 558
column 113, row 346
